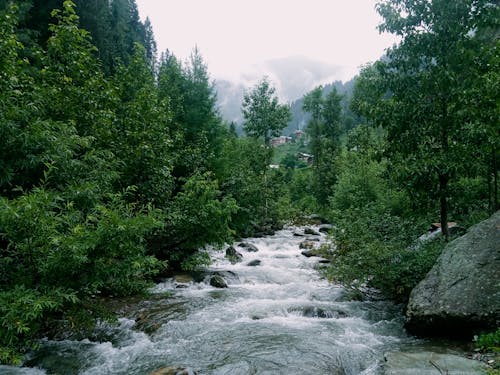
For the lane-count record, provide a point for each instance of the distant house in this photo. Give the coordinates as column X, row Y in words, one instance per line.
column 280, row 140
column 305, row 157
column 298, row 134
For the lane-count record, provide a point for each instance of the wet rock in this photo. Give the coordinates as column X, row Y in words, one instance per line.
column 298, row 234
column 318, row 312
column 248, row 247
column 254, row 263
column 228, row 276
column 233, row 255
column 264, row 230
column 422, row 363
column 316, row 219
column 218, row 281
column 311, row 232
column 325, row 228
column 311, row 253
column 306, row 245
column 324, row 261
column 156, row 313
column 183, row 278
column 172, row 370
column 460, row 294
column 313, row 239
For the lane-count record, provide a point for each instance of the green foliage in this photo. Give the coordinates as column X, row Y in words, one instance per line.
column 374, row 231
column 23, row 316
column 198, row 216
column 140, row 135
column 324, row 133
column 374, row 248
column 488, row 341
column 263, row 116
column 427, row 75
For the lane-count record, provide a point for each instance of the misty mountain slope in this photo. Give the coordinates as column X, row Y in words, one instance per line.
column 293, row 77
column 230, row 96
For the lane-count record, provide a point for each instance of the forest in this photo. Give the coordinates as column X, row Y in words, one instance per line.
column 116, row 167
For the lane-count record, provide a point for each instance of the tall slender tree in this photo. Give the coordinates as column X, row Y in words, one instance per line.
column 426, row 75
column 264, row 117
column 324, row 131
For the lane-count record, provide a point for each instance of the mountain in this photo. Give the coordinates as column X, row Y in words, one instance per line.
column 300, row 118
column 292, row 77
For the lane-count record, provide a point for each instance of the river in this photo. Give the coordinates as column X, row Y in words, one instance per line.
column 279, row 317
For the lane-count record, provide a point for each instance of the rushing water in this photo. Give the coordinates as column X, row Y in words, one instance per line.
column 279, row 317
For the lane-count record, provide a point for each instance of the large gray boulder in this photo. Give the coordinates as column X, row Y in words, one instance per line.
column 461, row 294
column 429, row 363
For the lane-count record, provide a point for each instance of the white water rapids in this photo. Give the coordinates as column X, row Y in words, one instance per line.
column 279, row 317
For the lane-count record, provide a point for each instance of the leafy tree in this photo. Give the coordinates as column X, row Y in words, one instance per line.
column 313, row 103
column 263, row 116
column 197, row 128
column 426, row 75
column 324, row 131
column 141, row 139
column 65, row 235
column 241, row 174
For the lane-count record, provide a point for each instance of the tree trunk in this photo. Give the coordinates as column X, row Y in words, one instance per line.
column 443, row 184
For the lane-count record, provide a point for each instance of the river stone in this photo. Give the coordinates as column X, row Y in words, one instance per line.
column 311, row 253
column 249, row 247
column 325, row 228
column 306, row 245
column 173, row 371
column 313, row 239
column 461, row 294
column 183, row 278
column 230, row 276
column 311, row 232
column 430, row 363
column 233, row 255
column 253, row 263
column 318, row 312
column 218, row 281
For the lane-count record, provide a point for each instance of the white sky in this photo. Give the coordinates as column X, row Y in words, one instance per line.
column 234, row 35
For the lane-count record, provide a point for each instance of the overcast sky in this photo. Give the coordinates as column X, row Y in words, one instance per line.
column 235, row 36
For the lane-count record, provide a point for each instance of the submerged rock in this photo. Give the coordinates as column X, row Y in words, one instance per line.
column 254, row 263
column 311, row 253
column 248, row 247
column 311, row 232
column 218, row 281
column 325, row 228
column 173, row 371
column 461, row 294
column 183, row 278
column 306, row 245
column 313, row 239
column 318, row 312
column 422, row 363
column 233, row 255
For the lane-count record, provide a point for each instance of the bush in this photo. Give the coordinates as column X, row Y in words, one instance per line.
column 373, row 233
column 374, row 248
column 198, row 216
column 488, row 341
column 24, row 314
column 54, row 256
